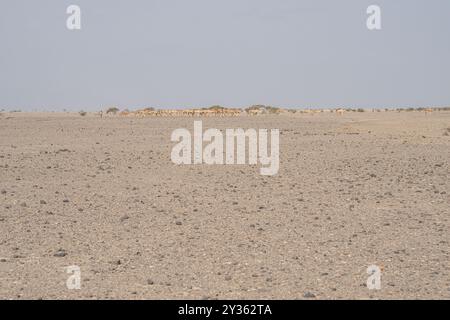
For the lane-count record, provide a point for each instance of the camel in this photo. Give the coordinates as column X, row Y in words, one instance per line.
column 428, row 110
column 340, row 112
column 254, row 112
column 231, row 112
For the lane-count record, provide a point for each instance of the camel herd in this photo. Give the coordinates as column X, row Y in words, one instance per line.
column 224, row 112
column 183, row 113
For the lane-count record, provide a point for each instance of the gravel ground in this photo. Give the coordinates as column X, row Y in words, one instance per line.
column 352, row 191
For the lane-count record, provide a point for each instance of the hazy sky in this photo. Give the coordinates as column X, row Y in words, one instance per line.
column 184, row 53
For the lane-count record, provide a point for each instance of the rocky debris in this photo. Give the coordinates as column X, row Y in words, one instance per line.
column 60, row 253
column 62, row 150
column 309, row 295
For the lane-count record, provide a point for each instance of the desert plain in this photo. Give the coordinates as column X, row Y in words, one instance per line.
column 356, row 190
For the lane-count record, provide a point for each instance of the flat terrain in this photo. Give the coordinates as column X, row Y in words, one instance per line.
column 352, row 191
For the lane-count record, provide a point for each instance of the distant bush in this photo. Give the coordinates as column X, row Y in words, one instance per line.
column 112, row 110
column 360, row 110
column 255, row 107
column 82, row 113
column 215, row 108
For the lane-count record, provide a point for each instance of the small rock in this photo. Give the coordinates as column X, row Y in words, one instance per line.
column 227, row 278
column 150, row 282
column 42, row 202
column 60, row 253
column 309, row 295
column 23, row 204
column 178, row 223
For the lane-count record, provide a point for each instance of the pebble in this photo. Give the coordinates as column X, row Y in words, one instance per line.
column 60, row 253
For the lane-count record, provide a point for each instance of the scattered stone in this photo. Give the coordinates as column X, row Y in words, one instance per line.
column 23, row 204
column 124, row 218
column 227, row 278
column 178, row 223
column 60, row 253
column 42, row 202
column 309, row 295
column 150, row 282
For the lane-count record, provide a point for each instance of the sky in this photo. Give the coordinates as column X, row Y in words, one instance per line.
column 234, row 53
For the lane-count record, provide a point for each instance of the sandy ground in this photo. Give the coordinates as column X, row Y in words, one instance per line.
column 352, row 191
